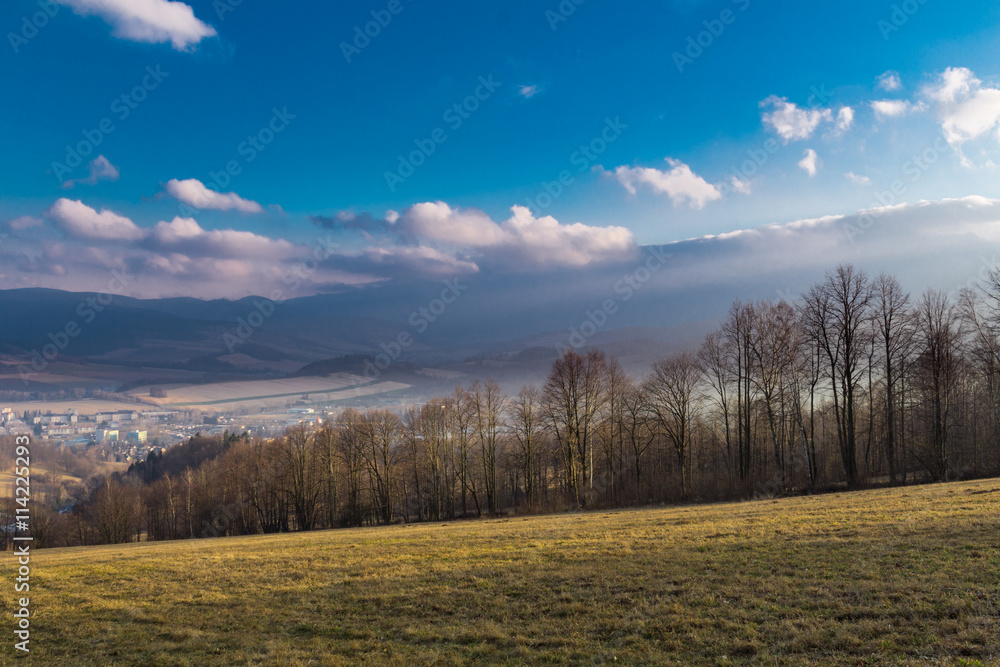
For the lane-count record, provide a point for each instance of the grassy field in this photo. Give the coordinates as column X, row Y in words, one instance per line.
column 38, row 473
column 905, row 576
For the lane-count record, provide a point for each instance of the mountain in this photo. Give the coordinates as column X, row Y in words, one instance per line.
column 126, row 341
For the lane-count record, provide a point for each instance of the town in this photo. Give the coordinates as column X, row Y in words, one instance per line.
column 129, row 435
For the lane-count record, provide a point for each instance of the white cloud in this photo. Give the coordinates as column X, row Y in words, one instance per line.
column 856, row 179
column 810, row 163
column 894, row 108
column 194, row 193
column 968, row 109
column 954, row 83
column 179, row 229
column 469, row 228
column 79, row 220
column 792, row 123
column 845, row 119
column 740, row 186
column 101, row 169
column 546, row 241
column 153, row 21
column 528, row 92
column 890, row 81
column 680, row 183
column 975, row 117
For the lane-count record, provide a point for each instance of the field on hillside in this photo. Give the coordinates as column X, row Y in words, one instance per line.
column 38, row 472
column 67, row 375
column 904, row 576
column 230, row 395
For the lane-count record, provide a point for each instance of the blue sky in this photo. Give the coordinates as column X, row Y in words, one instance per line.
column 772, row 77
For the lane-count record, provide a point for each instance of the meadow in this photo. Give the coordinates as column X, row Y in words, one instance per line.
column 904, row 576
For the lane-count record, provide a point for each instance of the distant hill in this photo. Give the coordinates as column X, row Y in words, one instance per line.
column 125, row 341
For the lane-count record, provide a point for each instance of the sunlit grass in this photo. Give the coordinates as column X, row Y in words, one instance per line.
column 902, row 576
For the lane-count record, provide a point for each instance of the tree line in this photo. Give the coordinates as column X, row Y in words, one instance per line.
column 857, row 384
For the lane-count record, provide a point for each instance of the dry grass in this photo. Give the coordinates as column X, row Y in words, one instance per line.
column 40, row 474
column 898, row 577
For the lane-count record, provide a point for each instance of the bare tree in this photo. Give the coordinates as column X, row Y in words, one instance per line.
column 738, row 331
column 351, row 435
column 618, row 384
column 463, row 428
column 894, row 333
column 330, row 463
column 773, row 340
column 938, row 331
column 672, row 389
column 980, row 308
column 116, row 511
column 716, row 357
column 382, row 436
column 434, row 420
column 265, row 488
column 488, row 407
column 574, row 394
column 526, row 424
column 302, row 475
column 416, row 455
column 638, row 429
column 805, row 376
column 836, row 314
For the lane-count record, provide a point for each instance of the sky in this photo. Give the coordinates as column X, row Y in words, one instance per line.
column 225, row 148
